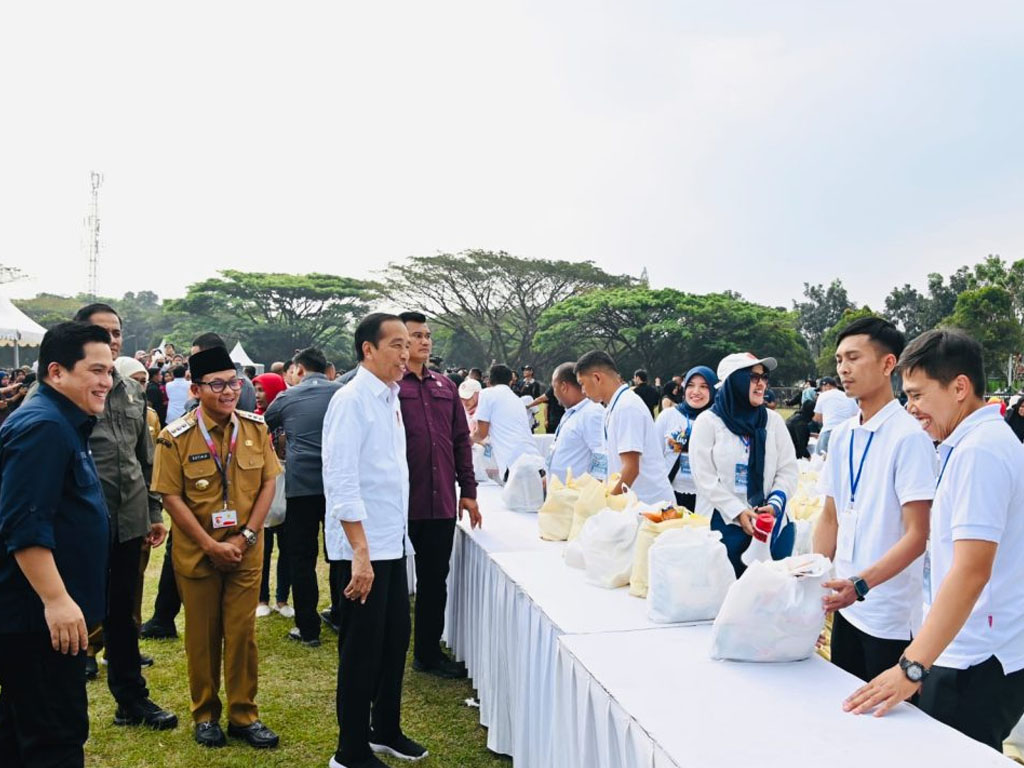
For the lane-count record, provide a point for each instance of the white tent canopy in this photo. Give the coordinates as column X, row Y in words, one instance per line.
column 238, row 355
column 18, row 329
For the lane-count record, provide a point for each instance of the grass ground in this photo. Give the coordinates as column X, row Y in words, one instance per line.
column 296, row 699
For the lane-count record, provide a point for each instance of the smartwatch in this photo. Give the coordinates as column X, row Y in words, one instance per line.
column 915, row 671
column 860, row 587
column 250, row 536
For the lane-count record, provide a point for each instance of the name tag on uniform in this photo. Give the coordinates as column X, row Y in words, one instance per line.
column 847, row 537
column 488, row 450
column 684, row 464
column 225, row 518
column 742, row 473
column 599, row 466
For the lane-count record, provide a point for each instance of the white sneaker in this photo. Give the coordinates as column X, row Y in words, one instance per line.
column 286, row 610
column 262, row 611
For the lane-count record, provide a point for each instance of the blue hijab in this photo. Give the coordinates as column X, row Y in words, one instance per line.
column 732, row 406
column 709, row 376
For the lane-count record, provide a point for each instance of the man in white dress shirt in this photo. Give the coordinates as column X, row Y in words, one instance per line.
column 366, row 484
column 831, row 409
column 502, row 417
column 578, row 438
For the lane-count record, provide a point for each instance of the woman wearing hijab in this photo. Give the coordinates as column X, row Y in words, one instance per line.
column 675, row 425
column 1015, row 418
column 742, row 458
column 268, row 386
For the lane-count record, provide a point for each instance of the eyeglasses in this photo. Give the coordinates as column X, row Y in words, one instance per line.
column 756, row 377
column 218, row 385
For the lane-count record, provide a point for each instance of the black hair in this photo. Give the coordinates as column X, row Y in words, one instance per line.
column 812, row 382
column 500, row 374
column 595, row 359
column 179, row 371
column 412, row 317
column 30, row 379
column 249, row 371
column 64, row 344
column 943, row 355
column 479, row 374
column 641, row 374
column 566, row 373
column 312, row 359
column 368, row 330
column 207, row 341
column 85, row 313
column 881, row 332
column 153, row 371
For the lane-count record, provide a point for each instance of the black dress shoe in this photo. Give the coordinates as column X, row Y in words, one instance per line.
column 145, row 712
column 210, row 735
column 296, row 635
column 256, row 734
column 92, row 668
column 152, row 630
column 444, row 668
column 327, row 617
column 145, row 661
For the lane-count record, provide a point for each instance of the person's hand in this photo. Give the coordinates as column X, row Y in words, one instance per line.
column 157, row 534
column 67, row 625
column 843, row 596
column 224, row 555
column 746, row 519
column 476, row 520
column 882, row 694
column 362, row 578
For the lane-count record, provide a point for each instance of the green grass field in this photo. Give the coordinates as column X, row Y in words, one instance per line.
column 296, row 699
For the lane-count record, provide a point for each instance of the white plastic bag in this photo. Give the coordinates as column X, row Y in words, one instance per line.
column 690, row 575
column 607, row 541
column 485, row 466
column 524, row 489
column 279, row 505
column 773, row 612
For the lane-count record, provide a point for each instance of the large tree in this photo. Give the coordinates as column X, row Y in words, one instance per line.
column 987, row 315
column 273, row 314
column 826, row 360
column 491, row 301
column 823, row 309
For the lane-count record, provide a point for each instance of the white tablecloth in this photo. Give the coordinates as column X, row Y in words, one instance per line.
column 656, row 699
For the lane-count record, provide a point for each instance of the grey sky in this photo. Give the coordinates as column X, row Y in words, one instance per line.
column 745, row 146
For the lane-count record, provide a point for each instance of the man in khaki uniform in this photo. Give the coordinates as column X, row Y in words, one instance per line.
column 218, row 552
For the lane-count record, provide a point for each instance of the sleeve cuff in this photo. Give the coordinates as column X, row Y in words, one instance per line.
column 467, row 491
column 918, row 494
column 977, row 533
column 349, row 511
column 778, row 500
column 37, row 539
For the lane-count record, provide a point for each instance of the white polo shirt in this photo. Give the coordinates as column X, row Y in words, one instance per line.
column 898, row 468
column 578, row 439
column 835, row 408
column 980, row 496
column 509, row 425
column 629, row 427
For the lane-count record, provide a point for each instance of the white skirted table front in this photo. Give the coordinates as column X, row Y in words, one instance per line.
column 656, row 699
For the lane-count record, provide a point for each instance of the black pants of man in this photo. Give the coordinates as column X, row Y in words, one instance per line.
column 44, row 713
column 304, row 518
column 168, row 601
column 284, row 572
column 861, row 654
column 432, row 540
column 981, row 701
column 372, row 643
column 120, row 635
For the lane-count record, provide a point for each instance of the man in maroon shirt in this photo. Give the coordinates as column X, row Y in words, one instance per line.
column 440, row 454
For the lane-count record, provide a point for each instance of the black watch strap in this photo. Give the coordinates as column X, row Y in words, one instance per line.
column 860, row 587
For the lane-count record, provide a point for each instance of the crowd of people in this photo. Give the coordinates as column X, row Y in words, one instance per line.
column 928, row 594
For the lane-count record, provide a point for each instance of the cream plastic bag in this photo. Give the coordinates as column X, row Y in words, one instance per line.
column 607, row 543
column 690, row 576
column 646, row 536
column 555, row 516
column 773, row 612
column 524, row 489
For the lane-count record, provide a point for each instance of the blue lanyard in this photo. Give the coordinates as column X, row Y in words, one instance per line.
column 855, row 479
column 611, row 408
column 565, row 417
column 943, row 471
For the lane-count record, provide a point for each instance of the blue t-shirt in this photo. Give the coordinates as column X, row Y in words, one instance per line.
column 50, row 496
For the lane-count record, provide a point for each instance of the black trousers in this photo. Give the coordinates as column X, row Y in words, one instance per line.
column 861, row 654
column 686, row 500
column 304, row 518
column 981, row 701
column 168, row 601
column 284, row 573
column 44, row 713
column 120, row 635
column 432, row 540
column 372, row 643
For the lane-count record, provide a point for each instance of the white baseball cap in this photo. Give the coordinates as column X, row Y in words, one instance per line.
column 737, row 361
column 468, row 388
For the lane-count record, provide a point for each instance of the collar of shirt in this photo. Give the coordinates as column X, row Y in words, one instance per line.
column 875, row 422
column 965, row 427
column 427, row 374
column 581, row 404
column 71, row 412
column 386, row 392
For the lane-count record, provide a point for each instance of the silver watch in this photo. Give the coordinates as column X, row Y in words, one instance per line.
column 250, row 537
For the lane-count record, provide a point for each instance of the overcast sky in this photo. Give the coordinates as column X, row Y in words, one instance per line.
column 745, row 146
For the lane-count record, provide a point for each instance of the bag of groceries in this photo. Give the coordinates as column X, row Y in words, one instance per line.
column 594, row 496
column 773, row 612
column 555, row 516
column 524, row 489
column 690, row 575
column 652, row 525
column 607, row 546
column 485, row 466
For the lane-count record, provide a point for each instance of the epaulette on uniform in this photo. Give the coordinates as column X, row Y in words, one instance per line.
column 180, row 426
column 251, row 416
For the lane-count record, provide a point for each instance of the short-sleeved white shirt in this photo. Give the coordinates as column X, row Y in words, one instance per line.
column 579, row 436
column 898, row 468
column 980, row 496
column 835, row 408
column 509, row 425
column 629, row 427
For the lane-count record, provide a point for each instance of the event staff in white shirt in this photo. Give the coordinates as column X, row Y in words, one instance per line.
column 502, row 417
column 366, row 484
column 579, row 437
column 878, row 481
column 967, row 661
column 631, row 446
column 831, row 409
column 743, row 460
column 675, row 426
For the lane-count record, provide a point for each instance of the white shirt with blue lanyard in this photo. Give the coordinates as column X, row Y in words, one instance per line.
column 674, row 428
column 578, row 439
column 629, row 428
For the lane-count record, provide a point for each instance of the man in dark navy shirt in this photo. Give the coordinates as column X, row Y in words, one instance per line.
column 54, row 543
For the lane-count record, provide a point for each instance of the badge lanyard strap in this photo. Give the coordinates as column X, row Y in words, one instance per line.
column 855, row 479
column 611, row 408
column 943, row 471
column 222, row 468
column 561, row 423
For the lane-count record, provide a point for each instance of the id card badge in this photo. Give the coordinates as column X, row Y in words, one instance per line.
column 847, row 535
column 488, row 450
column 684, row 465
column 742, row 473
column 599, row 466
column 225, row 518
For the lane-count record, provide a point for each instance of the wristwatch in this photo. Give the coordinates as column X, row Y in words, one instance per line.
column 250, row 537
column 860, row 587
column 915, row 671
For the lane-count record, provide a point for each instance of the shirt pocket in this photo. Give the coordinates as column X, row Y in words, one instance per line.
column 85, row 471
column 202, row 482
column 441, row 393
column 249, row 473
